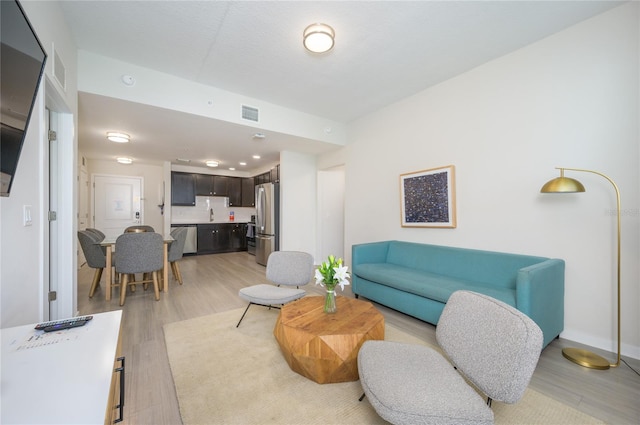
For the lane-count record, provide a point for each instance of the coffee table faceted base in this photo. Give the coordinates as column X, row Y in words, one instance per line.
column 324, row 347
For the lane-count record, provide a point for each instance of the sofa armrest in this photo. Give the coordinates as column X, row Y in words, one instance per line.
column 374, row 252
column 540, row 295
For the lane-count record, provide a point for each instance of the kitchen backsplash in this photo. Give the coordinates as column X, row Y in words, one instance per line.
column 200, row 212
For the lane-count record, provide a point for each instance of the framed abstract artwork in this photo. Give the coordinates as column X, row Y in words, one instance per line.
column 428, row 198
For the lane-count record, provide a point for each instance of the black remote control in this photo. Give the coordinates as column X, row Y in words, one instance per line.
column 57, row 325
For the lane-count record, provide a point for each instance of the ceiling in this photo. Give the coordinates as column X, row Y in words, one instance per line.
column 384, row 51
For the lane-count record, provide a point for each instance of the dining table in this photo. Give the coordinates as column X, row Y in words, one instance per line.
column 109, row 243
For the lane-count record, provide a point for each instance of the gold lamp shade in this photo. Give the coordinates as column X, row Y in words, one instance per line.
column 562, row 184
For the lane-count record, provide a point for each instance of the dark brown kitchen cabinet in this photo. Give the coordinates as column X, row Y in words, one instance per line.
column 274, row 176
column 213, row 238
column 183, row 189
column 210, row 185
column 221, row 185
column 222, row 237
column 248, row 192
column 235, row 191
column 204, row 185
column 238, row 237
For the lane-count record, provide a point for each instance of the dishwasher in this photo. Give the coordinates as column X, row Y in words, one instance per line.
column 191, row 243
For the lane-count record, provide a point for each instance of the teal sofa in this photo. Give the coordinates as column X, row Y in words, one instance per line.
column 417, row 279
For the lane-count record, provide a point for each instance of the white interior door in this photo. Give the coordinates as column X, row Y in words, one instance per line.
column 116, row 203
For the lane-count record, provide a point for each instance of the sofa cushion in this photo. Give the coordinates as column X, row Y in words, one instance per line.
column 488, row 268
column 426, row 284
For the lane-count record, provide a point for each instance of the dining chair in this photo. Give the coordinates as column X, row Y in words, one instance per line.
column 95, row 256
column 491, row 348
column 139, row 229
column 176, row 250
column 286, row 268
column 96, row 232
column 139, row 253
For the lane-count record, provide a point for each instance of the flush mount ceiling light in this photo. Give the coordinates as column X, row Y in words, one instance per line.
column 212, row 163
column 118, row 137
column 123, row 160
column 318, row 38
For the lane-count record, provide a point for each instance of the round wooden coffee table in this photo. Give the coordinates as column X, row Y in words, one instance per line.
column 324, row 347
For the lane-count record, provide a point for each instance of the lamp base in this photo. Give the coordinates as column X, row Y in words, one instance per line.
column 585, row 358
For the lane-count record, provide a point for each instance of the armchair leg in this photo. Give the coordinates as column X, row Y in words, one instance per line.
column 96, row 281
column 245, row 312
column 176, row 272
column 156, row 285
column 124, row 282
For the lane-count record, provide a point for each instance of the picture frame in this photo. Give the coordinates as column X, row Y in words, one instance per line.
column 427, row 198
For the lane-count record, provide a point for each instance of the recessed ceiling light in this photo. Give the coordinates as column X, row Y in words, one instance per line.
column 183, row 160
column 212, row 163
column 256, row 156
column 232, row 169
column 243, row 163
column 123, row 160
column 118, row 137
column 259, row 136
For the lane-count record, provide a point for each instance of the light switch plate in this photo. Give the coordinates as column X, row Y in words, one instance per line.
column 26, row 218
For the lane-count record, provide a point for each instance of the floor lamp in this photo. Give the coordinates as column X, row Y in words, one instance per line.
column 564, row 184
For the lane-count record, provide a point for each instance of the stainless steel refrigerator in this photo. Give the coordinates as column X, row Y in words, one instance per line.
column 267, row 221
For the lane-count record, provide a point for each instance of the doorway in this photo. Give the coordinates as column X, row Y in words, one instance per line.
column 117, row 203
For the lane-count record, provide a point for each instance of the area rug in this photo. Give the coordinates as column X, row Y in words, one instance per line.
column 229, row 375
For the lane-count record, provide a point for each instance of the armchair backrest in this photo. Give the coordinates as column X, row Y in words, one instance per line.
column 139, row 252
column 176, row 249
column 99, row 234
column 93, row 252
column 293, row 268
column 491, row 343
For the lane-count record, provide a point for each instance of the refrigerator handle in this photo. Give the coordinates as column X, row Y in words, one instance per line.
column 260, row 209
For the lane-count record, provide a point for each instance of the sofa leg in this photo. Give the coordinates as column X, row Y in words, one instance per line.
column 357, row 296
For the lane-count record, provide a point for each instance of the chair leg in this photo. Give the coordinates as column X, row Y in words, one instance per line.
column 176, row 271
column 133, row 279
column 245, row 312
column 124, row 282
column 96, row 281
column 156, row 285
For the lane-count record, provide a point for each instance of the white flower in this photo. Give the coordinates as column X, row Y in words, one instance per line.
column 341, row 276
column 319, row 277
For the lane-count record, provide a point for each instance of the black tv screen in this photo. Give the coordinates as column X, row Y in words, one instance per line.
column 22, row 61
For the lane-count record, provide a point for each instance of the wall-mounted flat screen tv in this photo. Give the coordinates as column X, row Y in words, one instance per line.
column 22, row 61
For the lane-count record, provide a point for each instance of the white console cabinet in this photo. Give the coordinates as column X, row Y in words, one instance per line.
column 66, row 377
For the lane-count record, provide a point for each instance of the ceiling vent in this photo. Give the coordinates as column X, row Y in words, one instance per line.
column 250, row 113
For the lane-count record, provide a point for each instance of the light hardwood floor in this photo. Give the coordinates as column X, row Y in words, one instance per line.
column 211, row 284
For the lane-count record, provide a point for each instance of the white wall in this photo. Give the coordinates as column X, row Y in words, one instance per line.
column 569, row 100
column 298, row 203
column 24, row 250
column 330, row 213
